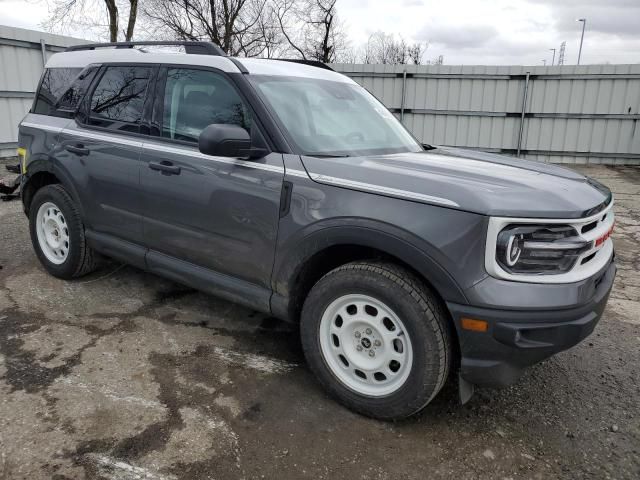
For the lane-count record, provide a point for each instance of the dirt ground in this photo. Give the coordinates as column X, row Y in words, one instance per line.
column 124, row 375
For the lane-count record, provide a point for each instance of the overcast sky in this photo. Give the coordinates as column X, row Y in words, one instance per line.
column 496, row 32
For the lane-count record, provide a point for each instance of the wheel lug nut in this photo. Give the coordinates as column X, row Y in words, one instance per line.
column 357, row 334
column 377, row 343
column 372, row 353
column 359, row 348
column 368, row 331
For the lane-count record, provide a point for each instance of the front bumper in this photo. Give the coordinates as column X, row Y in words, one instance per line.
column 519, row 337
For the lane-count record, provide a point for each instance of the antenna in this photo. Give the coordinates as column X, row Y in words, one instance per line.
column 563, row 45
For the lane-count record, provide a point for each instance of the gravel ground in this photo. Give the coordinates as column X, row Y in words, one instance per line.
column 124, row 375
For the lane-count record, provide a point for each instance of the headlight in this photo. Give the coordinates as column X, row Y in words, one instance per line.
column 539, row 249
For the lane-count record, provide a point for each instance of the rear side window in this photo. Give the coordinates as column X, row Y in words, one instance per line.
column 194, row 99
column 118, row 99
column 54, row 82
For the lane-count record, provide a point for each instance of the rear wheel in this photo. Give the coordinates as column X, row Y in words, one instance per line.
column 377, row 339
column 57, row 234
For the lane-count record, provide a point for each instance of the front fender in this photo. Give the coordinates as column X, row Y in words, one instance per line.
column 302, row 246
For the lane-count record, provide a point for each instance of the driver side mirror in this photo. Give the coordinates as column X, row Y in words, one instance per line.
column 223, row 140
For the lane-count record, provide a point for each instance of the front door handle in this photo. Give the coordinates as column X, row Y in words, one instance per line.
column 78, row 149
column 167, row 168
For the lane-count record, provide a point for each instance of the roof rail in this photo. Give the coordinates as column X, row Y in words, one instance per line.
column 312, row 63
column 196, row 48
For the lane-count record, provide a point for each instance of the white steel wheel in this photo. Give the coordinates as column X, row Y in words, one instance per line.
column 365, row 345
column 53, row 233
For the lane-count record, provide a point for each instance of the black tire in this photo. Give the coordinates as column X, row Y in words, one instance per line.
column 81, row 259
column 424, row 319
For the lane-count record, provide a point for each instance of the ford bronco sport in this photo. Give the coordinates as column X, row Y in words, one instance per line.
column 290, row 189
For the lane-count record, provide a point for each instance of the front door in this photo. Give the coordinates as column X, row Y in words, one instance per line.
column 214, row 212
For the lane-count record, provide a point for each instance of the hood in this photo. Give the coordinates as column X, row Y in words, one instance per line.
column 467, row 180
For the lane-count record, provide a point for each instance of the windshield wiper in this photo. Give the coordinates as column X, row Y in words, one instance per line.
column 426, row 146
column 326, row 155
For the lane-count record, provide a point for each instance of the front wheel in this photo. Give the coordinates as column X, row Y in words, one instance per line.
column 377, row 339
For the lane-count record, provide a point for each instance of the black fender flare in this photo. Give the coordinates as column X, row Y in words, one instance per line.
column 293, row 254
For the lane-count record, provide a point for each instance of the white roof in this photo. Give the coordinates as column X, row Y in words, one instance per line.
column 257, row 66
column 264, row 66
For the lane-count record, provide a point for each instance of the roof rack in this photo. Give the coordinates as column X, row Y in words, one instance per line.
column 196, row 48
column 312, row 63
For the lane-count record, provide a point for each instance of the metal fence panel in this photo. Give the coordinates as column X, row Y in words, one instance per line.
column 572, row 114
column 22, row 57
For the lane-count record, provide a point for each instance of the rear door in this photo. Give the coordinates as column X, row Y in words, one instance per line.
column 219, row 213
column 102, row 150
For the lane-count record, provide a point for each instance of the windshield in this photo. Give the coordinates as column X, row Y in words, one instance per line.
column 333, row 118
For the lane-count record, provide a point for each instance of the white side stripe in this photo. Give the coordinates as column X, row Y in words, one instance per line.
column 296, row 173
column 341, row 182
column 104, row 138
column 230, row 161
column 368, row 187
column 155, row 147
column 49, row 128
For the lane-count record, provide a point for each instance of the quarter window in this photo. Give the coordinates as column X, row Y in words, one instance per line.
column 118, row 99
column 194, row 99
column 54, row 82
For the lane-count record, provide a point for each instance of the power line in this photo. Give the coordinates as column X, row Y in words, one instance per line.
column 563, row 45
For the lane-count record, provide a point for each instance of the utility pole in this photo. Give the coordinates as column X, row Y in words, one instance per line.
column 553, row 60
column 584, row 24
column 544, row 61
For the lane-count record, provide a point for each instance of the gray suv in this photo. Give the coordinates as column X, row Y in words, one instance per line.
column 288, row 188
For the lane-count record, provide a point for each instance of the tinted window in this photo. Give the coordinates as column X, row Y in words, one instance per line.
column 118, row 98
column 71, row 98
column 194, row 99
column 54, row 82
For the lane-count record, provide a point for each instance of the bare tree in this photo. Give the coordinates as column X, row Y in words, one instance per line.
column 272, row 38
column 311, row 29
column 133, row 15
column 349, row 55
column 416, row 51
column 237, row 26
column 100, row 17
column 387, row 49
column 322, row 24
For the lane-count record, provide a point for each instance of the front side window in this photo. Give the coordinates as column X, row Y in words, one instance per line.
column 194, row 99
column 333, row 118
column 118, row 99
column 54, row 83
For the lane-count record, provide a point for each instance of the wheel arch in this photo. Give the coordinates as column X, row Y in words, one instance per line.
column 40, row 173
column 305, row 261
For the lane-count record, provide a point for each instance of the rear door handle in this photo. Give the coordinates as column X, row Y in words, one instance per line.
column 78, row 149
column 165, row 167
